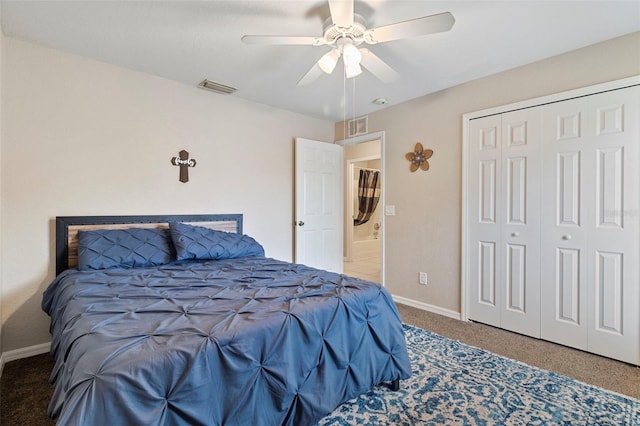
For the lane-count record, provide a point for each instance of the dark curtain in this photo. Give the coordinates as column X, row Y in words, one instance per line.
column 368, row 195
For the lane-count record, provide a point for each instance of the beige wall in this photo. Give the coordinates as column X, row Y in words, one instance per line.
column 80, row 137
column 86, row 138
column 425, row 235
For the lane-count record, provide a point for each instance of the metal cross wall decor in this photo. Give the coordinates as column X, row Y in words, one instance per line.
column 184, row 162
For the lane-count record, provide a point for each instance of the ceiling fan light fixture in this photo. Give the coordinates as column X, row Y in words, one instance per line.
column 351, row 56
column 346, row 30
column 329, row 61
column 352, row 70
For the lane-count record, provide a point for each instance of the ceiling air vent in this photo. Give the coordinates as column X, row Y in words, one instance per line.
column 216, row 87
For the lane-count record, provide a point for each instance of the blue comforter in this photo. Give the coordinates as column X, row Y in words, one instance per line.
column 247, row 341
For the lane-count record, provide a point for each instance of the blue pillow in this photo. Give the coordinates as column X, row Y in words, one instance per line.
column 124, row 248
column 197, row 242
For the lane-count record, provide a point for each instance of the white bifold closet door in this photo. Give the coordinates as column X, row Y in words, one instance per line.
column 591, row 235
column 504, row 221
column 553, row 221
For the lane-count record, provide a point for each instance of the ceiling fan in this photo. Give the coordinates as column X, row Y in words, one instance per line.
column 346, row 30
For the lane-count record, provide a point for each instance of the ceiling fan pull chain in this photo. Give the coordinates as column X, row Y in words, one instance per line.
column 353, row 99
column 344, row 105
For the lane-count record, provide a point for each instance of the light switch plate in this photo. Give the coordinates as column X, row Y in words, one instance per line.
column 390, row 210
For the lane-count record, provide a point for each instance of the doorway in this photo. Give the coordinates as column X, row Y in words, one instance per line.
column 364, row 238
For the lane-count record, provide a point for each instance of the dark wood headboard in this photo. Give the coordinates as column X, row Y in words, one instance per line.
column 67, row 228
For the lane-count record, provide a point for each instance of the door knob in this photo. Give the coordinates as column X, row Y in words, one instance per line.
column 515, row 234
column 566, row 237
column 301, row 223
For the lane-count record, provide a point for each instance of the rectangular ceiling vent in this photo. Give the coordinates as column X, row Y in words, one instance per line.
column 216, row 87
column 359, row 126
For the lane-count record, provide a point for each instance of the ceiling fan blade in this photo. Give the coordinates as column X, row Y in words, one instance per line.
column 412, row 28
column 269, row 39
column 377, row 66
column 341, row 12
column 312, row 75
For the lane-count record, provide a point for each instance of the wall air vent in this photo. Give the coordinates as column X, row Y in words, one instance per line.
column 358, row 126
column 216, row 87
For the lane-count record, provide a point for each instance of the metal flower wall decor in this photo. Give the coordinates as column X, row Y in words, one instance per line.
column 419, row 157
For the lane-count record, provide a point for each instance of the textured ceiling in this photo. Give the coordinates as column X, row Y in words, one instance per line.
column 189, row 41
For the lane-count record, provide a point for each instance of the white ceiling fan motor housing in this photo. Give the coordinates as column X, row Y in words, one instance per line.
column 355, row 32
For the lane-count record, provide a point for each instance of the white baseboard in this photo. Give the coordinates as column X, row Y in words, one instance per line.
column 427, row 307
column 23, row 353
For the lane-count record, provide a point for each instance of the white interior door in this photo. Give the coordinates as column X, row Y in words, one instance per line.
column 591, row 235
column 318, row 204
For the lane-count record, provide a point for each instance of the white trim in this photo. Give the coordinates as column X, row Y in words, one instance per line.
column 556, row 97
column 362, row 138
column 466, row 118
column 426, row 307
column 25, row 352
column 464, row 218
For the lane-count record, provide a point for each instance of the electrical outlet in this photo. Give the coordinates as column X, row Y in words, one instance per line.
column 423, row 278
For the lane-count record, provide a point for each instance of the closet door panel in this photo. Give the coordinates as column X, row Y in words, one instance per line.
column 520, row 231
column 567, row 286
column 608, row 293
column 516, row 280
column 484, row 218
column 487, row 191
column 563, row 288
column 568, row 188
column 610, row 193
column 614, row 237
column 590, row 219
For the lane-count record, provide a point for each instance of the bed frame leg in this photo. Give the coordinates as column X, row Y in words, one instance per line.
column 395, row 385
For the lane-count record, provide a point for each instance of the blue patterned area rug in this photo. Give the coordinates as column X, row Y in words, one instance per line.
column 453, row 383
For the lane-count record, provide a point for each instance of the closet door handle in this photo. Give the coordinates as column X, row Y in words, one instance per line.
column 515, row 234
column 566, row 237
column 301, row 223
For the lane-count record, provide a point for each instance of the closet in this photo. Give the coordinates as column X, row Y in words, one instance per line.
column 551, row 235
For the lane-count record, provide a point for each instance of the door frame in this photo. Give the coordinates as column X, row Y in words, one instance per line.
column 466, row 118
column 361, row 139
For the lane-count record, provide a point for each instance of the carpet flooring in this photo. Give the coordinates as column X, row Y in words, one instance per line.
column 589, row 368
column 25, row 391
column 454, row 383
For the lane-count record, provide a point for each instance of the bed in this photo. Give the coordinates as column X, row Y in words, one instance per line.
column 182, row 320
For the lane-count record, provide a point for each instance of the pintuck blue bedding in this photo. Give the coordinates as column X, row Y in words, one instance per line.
column 245, row 341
